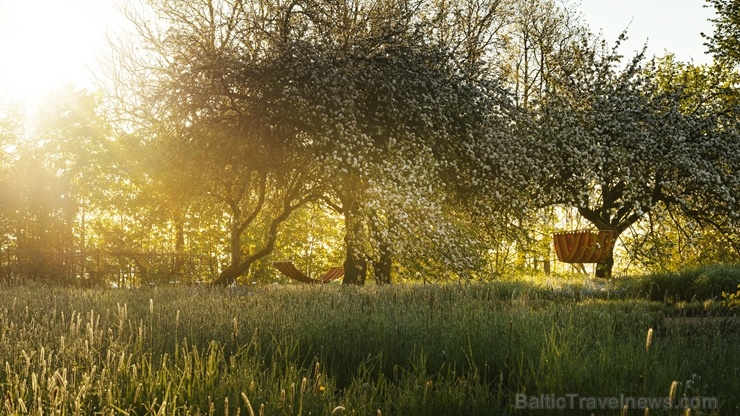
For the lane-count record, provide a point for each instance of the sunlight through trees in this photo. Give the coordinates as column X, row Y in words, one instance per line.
column 404, row 140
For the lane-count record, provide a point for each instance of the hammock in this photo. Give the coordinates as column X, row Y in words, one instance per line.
column 584, row 246
column 287, row 268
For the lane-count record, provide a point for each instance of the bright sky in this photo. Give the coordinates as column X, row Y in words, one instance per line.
column 672, row 25
column 45, row 42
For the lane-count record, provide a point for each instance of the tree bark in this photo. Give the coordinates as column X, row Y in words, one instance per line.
column 383, row 262
column 355, row 268
column 229, row 275
column 235, row 245
column 382, row 267
column 355, row 264
column 604, row 268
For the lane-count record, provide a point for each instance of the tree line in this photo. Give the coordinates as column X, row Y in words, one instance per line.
column 411, row 138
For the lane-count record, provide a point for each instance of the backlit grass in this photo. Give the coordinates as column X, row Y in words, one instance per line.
column 298, row 350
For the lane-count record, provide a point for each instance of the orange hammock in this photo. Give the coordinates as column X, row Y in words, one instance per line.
column 287, row 268
column 584, row 246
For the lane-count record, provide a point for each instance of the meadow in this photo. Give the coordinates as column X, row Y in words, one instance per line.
column 502, row 348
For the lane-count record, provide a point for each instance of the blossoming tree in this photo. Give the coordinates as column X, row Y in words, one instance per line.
column 613, row 142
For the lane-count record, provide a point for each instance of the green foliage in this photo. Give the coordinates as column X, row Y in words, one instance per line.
column 312, row 239
column 58, row 162
column 690, row 284
column 445, row 136
column 724, row 43
column 379, row 116
column 731, row 300
column 666, row 242
column 618, row 141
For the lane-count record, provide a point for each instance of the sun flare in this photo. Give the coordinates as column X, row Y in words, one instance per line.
column 47, row 43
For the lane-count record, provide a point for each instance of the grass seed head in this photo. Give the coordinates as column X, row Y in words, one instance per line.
column 248, row 404
column 672, row 392
column 649, row 339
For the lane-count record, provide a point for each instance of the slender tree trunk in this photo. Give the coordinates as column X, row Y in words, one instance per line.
column 179, row 262
column 235, row 245
column 229, row 275
column 236, row 267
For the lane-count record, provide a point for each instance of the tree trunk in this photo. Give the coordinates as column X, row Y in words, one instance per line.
column 383, row 263
column 355, row 268
column 355, row 265
column 604, row 268
column 179, row 248
column 235, row 245
column 229, row 275
column 382, row 267
column 236, row 267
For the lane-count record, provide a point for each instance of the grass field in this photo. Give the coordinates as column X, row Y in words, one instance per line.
column 476, row 349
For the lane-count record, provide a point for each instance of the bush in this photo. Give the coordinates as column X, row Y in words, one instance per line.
column 731, row 300
column 691, row 284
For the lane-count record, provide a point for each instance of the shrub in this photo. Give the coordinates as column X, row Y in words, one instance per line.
column 731, row 300
column 690, row 284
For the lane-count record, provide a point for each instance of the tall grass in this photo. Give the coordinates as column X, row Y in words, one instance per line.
column 690, row 284
column 418, row 350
